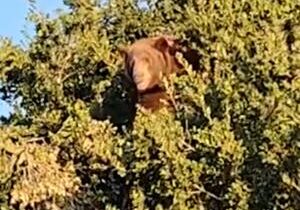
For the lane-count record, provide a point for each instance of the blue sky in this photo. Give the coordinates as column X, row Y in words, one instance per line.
column 12, row 22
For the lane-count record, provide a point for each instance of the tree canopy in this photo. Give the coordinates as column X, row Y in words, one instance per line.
column 76, row 140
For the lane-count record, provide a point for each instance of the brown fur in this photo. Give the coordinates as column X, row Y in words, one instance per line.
column 149, row 59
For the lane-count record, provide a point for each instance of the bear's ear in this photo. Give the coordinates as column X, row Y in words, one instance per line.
column 168, row 44
column 163, row 43
column 123, row 51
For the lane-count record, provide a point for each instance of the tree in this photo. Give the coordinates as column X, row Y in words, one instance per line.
column 232, row 141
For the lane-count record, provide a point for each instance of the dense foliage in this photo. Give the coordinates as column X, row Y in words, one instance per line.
column 231, row 142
